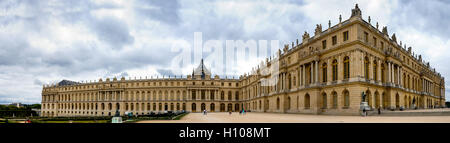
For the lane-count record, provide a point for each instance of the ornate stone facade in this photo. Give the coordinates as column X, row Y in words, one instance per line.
column 325, row 74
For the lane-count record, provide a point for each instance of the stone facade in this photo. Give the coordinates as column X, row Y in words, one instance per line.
column 324, row 74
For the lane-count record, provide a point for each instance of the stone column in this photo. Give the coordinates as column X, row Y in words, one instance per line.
column 401, row 79
column 393, row 73
column 379, row 70
column 398, row 75
column 317, row 71
column 329, row 71
column 284, row 81
column 423, row 85
column 389, row 72
column 298, row 76
column 370, row 69
column 311, row 73
column 303, row 75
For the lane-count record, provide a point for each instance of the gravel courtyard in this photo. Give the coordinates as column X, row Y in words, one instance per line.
column 298, row 118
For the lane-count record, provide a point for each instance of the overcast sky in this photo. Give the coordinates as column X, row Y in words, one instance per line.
column 43, row 41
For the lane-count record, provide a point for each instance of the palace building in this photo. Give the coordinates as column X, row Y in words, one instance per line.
column 324, row 74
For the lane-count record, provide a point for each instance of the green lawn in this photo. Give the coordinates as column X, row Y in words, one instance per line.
column 83, row 121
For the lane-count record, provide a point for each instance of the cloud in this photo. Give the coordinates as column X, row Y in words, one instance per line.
column 43, row 42
column 112, row 31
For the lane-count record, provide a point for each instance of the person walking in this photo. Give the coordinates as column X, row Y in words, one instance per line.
column 364, row 112
column 379, row 110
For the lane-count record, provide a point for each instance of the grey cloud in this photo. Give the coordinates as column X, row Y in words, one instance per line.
column 165, row 72
column 38, row 82
column 113, row 31
column 428, row 16
column 123, row 74
column 86, row 56
column 165, row 11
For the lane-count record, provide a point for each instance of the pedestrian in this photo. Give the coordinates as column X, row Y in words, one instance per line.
column 229, row 113
column 379, row 110
column 364, row 112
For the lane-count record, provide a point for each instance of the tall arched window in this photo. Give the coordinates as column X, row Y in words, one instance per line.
column 335, row 70
column 408, row 85
column 203, row 96
column 194, row 95
column 236, row 96
column 366, row 68
column 335, row 100
column 278, row 103
column 222, row 95
column 346, row 99
column 229, row 96
column 346, row 67
column 324, row 72
column 307, row 103
column 212, row 107
column 203, row 107
column 166, row 95
column 288, row 103
column 289, row 81
column 194, row 107
column 375, row 70
column 324, row 101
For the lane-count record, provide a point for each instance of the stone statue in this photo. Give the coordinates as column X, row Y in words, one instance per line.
column 117, row 113
column 369, row 19
column 385, row 31
column 356, row 11
column 286, row 47
column 363, row 97
column 364, row 105
column 377, row 25
column 305, row 36
column 394, row 38
column 318, row 29
column 340, row 18
column 329, row 24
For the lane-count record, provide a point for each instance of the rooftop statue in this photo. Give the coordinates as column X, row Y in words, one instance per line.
column 356, row 11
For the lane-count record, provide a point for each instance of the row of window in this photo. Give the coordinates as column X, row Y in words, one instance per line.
column 334, row 40
column 222, row 95
column 137, row 84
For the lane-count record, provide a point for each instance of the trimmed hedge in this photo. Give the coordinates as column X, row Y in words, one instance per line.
column 17, row 113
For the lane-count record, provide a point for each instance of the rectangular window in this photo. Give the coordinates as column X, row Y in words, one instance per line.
column 374, row 42
column 345, row 35
column 382, row 45
column 334, row 40
column 324, row 44
column 366, row 37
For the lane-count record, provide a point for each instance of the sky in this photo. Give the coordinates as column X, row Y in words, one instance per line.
column 45, row 41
